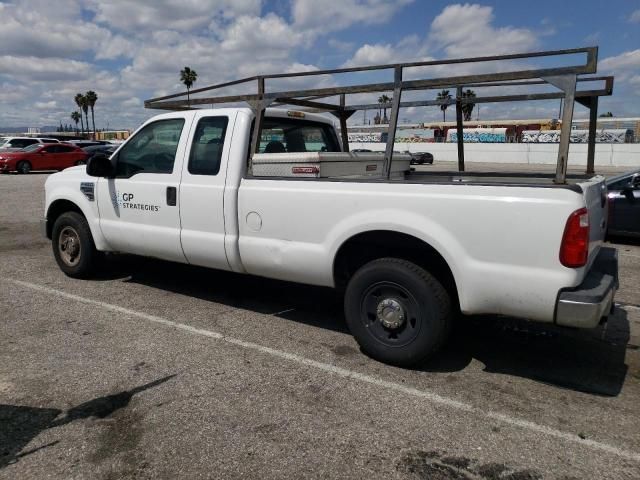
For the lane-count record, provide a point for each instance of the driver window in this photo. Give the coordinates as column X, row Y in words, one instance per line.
column 151, row 150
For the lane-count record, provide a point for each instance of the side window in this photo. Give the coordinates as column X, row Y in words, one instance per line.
column 64, row 149
column 22, row 142
column 206, row 148
column 151, row 150
column 51, row 149
column 620, row 184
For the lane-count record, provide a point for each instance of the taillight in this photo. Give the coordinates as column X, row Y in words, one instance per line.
column 574, row 250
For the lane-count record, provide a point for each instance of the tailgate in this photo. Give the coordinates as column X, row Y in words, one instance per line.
column 595, row 197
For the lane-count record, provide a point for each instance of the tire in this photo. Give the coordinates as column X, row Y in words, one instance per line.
column 73, row 246
column 23, row 167
column 398, row 312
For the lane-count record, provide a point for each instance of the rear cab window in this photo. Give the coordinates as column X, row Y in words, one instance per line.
column 285, row 135
column 207, row 145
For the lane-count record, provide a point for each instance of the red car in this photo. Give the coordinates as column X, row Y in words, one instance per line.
column 56, row 156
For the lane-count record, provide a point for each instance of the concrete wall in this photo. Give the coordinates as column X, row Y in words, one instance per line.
column 612, row 154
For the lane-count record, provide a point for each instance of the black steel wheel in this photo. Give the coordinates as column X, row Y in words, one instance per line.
column 23, row 167
column 397, row 311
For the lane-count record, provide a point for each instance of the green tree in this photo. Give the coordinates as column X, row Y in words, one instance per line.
column 92, row 98
column 76, row 117
column 444, row 95
column 467, row 108
column 383, row 100
column 188, row 77
column 85, row 109
column 79, row 99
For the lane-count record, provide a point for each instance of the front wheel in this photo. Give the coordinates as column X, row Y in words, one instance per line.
column 23, row 167
column 397, row 311
column 73, row 246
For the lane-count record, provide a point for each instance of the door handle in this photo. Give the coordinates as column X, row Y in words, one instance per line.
column 171, row 196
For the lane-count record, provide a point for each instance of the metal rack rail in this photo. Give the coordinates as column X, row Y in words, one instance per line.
column 563, row 78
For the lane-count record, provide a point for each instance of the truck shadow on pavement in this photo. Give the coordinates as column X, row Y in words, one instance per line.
column 590, row 361
column 19, row 425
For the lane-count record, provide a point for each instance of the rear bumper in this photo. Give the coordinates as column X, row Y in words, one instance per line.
column 585, row 305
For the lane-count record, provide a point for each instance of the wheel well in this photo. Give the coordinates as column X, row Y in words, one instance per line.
column 368, row 246
column 56, row 209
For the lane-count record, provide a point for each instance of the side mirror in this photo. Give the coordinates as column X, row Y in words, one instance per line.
column 100, row 166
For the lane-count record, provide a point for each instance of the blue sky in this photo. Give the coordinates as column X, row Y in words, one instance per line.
column 130, row 51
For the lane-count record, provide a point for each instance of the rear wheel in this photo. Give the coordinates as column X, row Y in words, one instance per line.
column 397, row 311
column 23, row 167
column 73, row 246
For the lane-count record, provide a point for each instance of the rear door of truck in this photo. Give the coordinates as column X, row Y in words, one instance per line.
column 202, row 189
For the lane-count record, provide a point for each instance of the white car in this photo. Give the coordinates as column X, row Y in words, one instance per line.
column 408, row 251
column 18, row 143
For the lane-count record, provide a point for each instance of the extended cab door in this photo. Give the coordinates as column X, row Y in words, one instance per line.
column 202, row 190
column 139, row 207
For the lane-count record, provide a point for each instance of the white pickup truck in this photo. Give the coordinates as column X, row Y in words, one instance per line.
column 409, row 250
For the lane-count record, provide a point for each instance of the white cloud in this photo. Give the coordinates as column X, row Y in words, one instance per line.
column 625, row 61
column 371, row 54
column 46, row 105
column 258, row 34
column 324, row 16
column 180, row 15
column 467, row 30
column 131, row 102
column 42, row 69
column 624, row 67
column 635, row 16
column 34, row 28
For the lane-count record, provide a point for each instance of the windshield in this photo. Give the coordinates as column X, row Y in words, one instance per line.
column 32, row 148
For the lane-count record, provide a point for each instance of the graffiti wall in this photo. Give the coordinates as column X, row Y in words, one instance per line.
column 479, row 135
column 612, row 135
column 403, row 135
column 414, row 135
column 364, row 137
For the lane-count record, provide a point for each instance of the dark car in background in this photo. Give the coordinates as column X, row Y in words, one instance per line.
column 420, row 158
column 42, row 156
column 624, row 204
column 103, row 149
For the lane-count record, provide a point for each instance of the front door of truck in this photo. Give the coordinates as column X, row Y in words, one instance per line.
column 139, row 211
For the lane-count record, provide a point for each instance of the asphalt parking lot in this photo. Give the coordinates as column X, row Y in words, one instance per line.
column 156, row 370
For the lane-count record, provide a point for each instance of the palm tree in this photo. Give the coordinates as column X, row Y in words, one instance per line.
column 79, row 99
column 76, row 117
column 188, row 77
column 383, row 100
column 467, row 108
column 92, row 98
column 444, row 95
column 85, row 109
